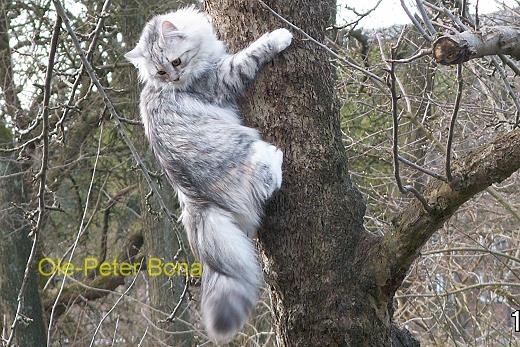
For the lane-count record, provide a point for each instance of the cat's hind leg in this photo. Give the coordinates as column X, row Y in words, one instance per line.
column 267, row 160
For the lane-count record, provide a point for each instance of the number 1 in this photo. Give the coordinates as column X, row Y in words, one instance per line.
column 516, row 316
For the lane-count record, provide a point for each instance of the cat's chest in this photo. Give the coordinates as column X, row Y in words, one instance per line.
column 181, row 116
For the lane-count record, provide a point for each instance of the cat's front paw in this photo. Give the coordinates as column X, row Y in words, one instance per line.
column 281, row 38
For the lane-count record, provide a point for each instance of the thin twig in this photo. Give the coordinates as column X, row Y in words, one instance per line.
column 131, row 121
column 477, row 18
column 420, row 53
column 21, row 147
column 42, row 175
column 172, row 315
column 81, row 228
column 422, row 169
column 425, row 18
column 90, row 54
column 360, row 16
column 460, row 290
column 404, row 94
column 453, row 121
column 472, row 249
column 509, row 89
column 415, row 22
column 114, row 306
column 509, row 62
column 395, row 136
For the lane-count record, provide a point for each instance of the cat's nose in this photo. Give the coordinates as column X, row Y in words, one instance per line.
column 176, row 80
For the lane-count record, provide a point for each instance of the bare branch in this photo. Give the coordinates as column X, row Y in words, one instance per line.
column 422, row 169
column 419, row 54
column 491, row 285
column 405, row 189
column 416, row 23
column 453, row 121
column 458, row 48
column 425, row 18
column 92, row 341
column 488, row 164
column 395, row 135
column 90, row 53
column 173, row 315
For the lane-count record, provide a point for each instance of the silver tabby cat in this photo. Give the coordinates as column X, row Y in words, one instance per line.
column 222, row 170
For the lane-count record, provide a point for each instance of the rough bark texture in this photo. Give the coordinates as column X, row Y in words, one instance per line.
column 15, row 246
column 461, row 47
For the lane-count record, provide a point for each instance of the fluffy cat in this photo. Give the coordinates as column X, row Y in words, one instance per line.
column 223, row 172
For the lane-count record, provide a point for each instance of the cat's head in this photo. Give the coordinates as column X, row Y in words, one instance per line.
column 175, row 48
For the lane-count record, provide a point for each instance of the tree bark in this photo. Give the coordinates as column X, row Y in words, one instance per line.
column 312, row 238
column 15, row 246
column 461, row 47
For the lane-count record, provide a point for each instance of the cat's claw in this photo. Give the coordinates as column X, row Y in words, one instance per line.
column 282, row 38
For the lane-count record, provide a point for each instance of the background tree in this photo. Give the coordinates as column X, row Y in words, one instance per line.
column 14, row 228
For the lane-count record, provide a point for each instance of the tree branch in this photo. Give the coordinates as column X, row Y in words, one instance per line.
column 488, row 164
column 458, row 48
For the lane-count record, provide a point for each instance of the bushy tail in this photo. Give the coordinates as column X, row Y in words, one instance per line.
column 231, row 273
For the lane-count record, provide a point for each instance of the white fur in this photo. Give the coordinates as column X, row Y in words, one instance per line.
column 189, row 101
column 263, row 152
column 200, row 37
column 282, row 38
column 235, row 294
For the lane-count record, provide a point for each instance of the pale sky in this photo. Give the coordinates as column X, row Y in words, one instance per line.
column 390, row 12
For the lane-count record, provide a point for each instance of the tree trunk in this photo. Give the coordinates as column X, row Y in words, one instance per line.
column 15, row 244
column 312, row 240
column 333, row 283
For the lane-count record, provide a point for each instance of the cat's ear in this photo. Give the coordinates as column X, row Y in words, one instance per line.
column 169, row 30
column 135, row 55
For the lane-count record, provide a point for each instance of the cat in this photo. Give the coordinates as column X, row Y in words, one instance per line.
column 222, row 170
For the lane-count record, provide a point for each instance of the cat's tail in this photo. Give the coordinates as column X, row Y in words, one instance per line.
column 231, row 273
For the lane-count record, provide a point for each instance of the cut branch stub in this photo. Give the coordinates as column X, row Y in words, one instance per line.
column 461, row 47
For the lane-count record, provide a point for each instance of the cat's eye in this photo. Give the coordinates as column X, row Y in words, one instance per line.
column 161, row 72
column 176, row 62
